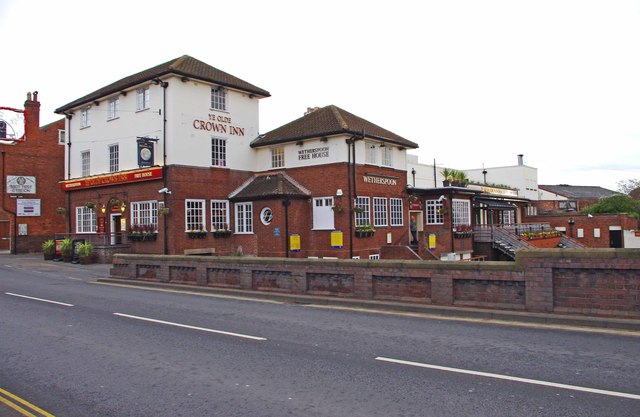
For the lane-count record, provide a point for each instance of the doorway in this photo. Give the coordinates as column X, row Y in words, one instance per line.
column 5, row 236
column 615, row 238
column 419, row 219
column 116, row 228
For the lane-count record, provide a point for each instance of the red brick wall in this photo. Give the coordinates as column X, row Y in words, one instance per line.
column 42, row 157
column 602, row 282
column 588, row 224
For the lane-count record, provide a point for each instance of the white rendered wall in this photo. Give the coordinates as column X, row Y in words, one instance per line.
column 522, row 177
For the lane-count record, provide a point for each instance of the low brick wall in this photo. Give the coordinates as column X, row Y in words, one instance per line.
column 602, row 282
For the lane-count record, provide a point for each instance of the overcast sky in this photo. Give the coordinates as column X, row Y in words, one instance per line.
column 473, row 82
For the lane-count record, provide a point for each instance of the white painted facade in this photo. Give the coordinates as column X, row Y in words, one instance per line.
column 330, row 151
column 191, row 124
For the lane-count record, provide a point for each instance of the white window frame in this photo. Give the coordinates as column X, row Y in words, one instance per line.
column 371, row 153
column 219, row 99
column 323, row 215
column 220, row 215
column 85, row 117
column 380, row 212
column 386, row 157
column 218, row 152
column 277, row 157
column 396, row 212
column 194, row 218
column 434, row 212
column 244, row 218
column 114, row 108
column 86, row 221
column 142, row 98
column 62, row 136
column 85, row 163
column 144, row 213
column 363, row 218
column 114, row 157
column 461, row 212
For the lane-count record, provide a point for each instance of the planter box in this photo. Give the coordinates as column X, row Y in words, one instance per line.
column 364, row 234
column 551, row 242
column 199, row 235
column 462, row 235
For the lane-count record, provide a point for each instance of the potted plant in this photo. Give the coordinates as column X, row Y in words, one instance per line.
column 222, row 231
column 49, row 249
column 365, row 230
column 85, row 253
column 66, row 249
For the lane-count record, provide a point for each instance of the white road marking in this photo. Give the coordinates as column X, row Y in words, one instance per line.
column 39, row 299
column 511, row 378
column 186, row 326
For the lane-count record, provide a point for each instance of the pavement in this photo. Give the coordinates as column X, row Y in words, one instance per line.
column 101, row 273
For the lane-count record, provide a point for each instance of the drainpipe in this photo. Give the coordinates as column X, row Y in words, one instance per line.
column 13, row 213
column 286, row 203
column 164, row 85
column 350, row 196
column 68, row 193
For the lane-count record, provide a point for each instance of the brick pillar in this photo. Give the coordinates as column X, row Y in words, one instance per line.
column 441, row 288
column 539, row 287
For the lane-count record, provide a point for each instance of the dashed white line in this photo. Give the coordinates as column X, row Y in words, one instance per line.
column 186, row 326
column 511, row 378
column 39, row 299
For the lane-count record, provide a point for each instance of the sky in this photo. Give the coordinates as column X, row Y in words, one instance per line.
column 474, row 83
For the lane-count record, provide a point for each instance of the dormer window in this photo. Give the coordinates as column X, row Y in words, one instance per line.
column 219, row 98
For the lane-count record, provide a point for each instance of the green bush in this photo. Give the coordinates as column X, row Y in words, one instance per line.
column 85, row 249
column 49, row 246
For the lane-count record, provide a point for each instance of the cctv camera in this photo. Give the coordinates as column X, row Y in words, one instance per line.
column 441, row 199
column 164, row 190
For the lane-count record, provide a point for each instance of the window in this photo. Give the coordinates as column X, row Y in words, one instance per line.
column 114, row 108
column 114, row 158
column 266, row 216
column 375, row 256
column 568, row 205
column 461, row 212
column 142, row 98
column 219, row 98
column 532, row 211
column 85, row 220
column 277, row 157
column 219, row 215
column 218, row 152
column 395, row 208
column 61, row 136
column 85, row 117
column 387, row 156
column 144, row 213
column 85, row 158
column 379, row 211
column 323, row 213
column 244, row 218
column 370, row 153
column 435, row 213
column 362, row 211
column 194, row 215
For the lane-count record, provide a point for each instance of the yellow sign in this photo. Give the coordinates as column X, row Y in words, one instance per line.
column 432, row 241
column 337, row 239
column 294, row 243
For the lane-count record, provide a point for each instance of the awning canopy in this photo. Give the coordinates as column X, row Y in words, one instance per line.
column 488, row 204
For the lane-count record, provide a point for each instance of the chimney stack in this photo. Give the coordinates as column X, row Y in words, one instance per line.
column 520, row 160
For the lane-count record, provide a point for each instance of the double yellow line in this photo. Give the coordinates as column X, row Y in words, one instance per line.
column 22, row 406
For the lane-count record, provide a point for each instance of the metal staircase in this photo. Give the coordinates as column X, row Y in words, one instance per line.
column 508, row 242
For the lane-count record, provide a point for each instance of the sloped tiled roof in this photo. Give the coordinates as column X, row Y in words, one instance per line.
column 327, row 121
column 185, row 66
column 583, row 192
column 267, row 186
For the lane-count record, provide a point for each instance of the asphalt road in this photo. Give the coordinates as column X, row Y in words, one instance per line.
column 77, row 348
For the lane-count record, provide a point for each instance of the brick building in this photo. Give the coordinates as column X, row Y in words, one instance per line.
column 31, row 170
column 170, row 160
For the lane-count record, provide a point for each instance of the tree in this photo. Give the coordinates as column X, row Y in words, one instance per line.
column 616, row 204
column 627, row 186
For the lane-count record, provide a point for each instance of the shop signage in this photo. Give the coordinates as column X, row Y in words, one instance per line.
column 138, row 175
column 380, row 180
column 314, row 153
column 494, row 190
column 145, row 152
column 219, row 124
column 21, row 185
column 415, row 205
